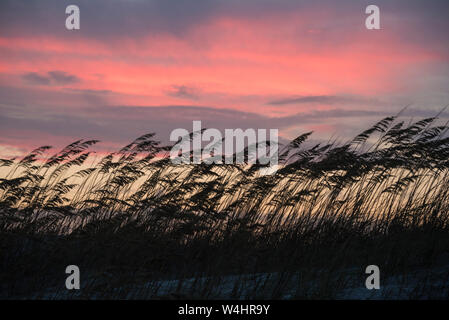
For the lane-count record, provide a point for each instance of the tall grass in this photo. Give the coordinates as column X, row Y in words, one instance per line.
column 133, row 217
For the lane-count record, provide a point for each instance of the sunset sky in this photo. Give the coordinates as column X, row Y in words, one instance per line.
column 153, row 66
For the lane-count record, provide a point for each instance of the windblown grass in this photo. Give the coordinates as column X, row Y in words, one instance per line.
column 133, row 217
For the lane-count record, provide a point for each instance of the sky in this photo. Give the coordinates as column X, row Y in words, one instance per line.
column 137, row 66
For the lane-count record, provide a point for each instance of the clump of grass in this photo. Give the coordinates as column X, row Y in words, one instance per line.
column 133, row 216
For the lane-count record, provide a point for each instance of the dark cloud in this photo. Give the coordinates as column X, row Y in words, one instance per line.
column 35, row 78
column 61, row 77
column 325, row 99
column 89, row 113
column 50, row 78
column 89, row 91
column 411, row 20
column 183, row 92
column 119, row 124
column 104, row 19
